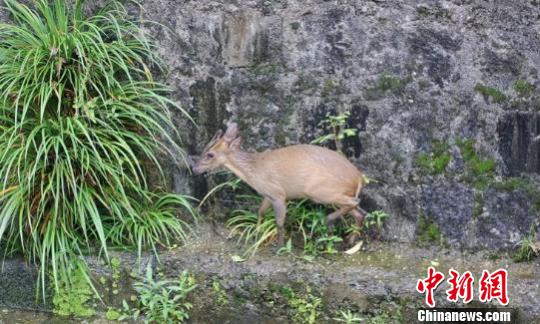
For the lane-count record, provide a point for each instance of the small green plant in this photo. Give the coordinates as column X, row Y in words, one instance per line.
column 392, row 82
column 348, row 317
column 428, row 232
column 489, row 92
column 387, row 82
column 528, row 248
column 515, row 183
column 266, row 69
column 161, row 301
column 536, row 204
column 331, row 87
column 386, row 318
column 478, row 207
column 324, row 244
column 523, row 88
column 306, row 308
column 480, row 171
column 436, row 12
column 113, row 314
column 493, row 256
column 436, row 161
column 304, row 82
column 74, row 293
column 338, row 130
column 219, row 293
column 286, row 249
column 374, row 222
column 115, row 275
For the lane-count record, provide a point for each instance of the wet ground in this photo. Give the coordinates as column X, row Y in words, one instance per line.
column 381, row 276
column 378, row 280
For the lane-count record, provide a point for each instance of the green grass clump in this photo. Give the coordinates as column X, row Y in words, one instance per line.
column 80, row 112
column 528, row 248
column 266, row 69
column 387, row 82
column 536, row 204
column 391, row 82
column 478, row 206
column 523, row 88
column 306, row 220
column 331, row 87
column 243, row 224
column 428, row 232
column 436, row 161
column 433, row 164
column 515, row 183
column 479, row 171
column 496, row 95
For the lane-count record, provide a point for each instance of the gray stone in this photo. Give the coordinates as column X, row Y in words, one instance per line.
column 278, row 68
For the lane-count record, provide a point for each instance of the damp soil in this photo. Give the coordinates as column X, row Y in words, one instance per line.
column 379, row 280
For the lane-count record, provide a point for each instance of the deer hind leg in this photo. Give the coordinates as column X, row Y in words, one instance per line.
column 358, row 214
column 280, row 209
column 266, row 203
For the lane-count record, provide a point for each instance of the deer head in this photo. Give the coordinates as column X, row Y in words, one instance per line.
column 216, row 153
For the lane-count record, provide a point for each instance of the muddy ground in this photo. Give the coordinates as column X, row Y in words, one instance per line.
column 376, row 282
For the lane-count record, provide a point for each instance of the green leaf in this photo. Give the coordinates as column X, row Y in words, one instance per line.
column 237, row 258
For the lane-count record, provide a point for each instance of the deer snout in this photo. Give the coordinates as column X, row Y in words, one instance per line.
column 197, row 170
column 195, row 167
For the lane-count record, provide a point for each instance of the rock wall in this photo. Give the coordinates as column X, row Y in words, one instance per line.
column 445, row 96
column 420, row 79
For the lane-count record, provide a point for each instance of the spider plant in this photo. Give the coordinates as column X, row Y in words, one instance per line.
column 304, row 218
column 80, row 112
column 243, row 224
column 528, row 247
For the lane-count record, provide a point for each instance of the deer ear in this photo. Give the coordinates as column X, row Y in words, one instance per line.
column 231, row 132
column 213, row 141
column 235, row 144
column 217, row 135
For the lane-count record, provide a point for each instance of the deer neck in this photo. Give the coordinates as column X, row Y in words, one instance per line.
column 242, row 164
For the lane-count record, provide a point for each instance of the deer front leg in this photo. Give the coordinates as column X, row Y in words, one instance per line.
column 358, row 214
column 331, row 218
column 280, row 209
column 266, row 203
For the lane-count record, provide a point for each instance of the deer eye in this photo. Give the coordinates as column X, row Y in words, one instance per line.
column 209, row 155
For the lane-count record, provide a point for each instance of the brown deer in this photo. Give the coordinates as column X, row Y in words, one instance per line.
column 292, row 172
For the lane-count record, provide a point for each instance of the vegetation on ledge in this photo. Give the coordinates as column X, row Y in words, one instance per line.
column 80, row 112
